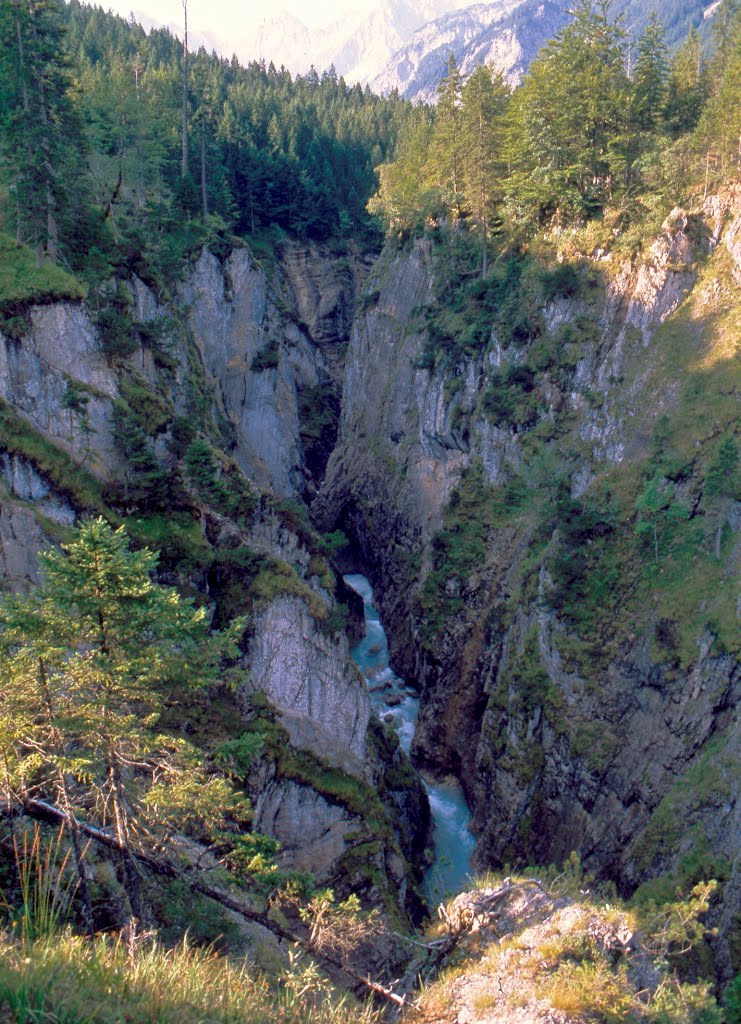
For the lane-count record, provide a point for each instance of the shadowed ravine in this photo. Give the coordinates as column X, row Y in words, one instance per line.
column 395, row 702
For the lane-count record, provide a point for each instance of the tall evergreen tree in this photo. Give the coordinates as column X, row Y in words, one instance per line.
column 568, row 120
column 687, row 86
column 650, row 76
column 447, row 149
column 90, row 661
column 484, row 98
column 39, row 134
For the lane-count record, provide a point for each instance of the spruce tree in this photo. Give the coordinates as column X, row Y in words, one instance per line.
column 568, row 122
column 650, row 76
column 92, row 659
column 447, row 141
column 40, row 135
column 485, row 98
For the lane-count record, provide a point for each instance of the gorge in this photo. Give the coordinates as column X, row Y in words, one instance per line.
column 370, row 497
column 550, row 761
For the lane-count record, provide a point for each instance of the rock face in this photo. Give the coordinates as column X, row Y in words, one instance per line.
column 553, row 755
column 560, row 743
column 310, row 676
column 251, row 348
column 260, row 359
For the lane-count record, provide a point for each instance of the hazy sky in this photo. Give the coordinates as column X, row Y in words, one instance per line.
column 226, row 17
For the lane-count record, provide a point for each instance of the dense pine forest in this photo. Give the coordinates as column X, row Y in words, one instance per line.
column 225, row 294
column 118, row 143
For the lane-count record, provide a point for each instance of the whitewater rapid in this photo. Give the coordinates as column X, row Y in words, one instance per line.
column 394, row 701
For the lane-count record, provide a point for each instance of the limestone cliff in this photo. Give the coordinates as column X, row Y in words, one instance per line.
column 101, row 422
column 576, row 655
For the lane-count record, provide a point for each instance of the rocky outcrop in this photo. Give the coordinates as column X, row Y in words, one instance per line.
column 62, row 345
column 307, row 675
column 27, row 503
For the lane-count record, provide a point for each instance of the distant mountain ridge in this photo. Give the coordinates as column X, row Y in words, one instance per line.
column 357, row 45
column 508, row 34
column 404, row 44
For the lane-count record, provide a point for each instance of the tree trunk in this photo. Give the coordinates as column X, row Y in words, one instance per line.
column 184, row 168
column 67, row 805
column 79, row 854
column 131, row 878
column 204, row 196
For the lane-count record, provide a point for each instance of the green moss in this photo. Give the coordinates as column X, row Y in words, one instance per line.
column 150, row 410
column 17, row 436
column 306, row 768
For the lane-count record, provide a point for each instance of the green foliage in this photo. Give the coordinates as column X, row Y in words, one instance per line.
column 252, row 857
column 201, row 468
column 658, row 511
column 46, row 887
column 145, row 478
column 268, row 357
column 41, row 138
column 529, row 680
column 151, row 411
column 732, row 1001
column 722, row 479
column 178, row 538
column 119, row 339
column 333, row 543
column 237, row 756
column 509, row 397
column 90, row 660
column 178, row 910
column 23, row 283
column 318, row 411
column 460, row 548
column 584, row 567
column 578, row 137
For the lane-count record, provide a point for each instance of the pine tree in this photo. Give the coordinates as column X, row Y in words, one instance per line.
column 447, row 155
column 718, row 135
column 650, row 76
column 722, row 488
column 484, row 103
column 406, row 197
column 40, row 136
column 92, row 658
column 687, row 86
column 568, row 120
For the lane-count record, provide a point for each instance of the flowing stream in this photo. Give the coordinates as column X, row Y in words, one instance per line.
column 396, row 702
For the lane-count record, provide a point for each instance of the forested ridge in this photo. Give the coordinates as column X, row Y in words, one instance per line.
column 140, row 188
column 96, row 166
column 597, row 124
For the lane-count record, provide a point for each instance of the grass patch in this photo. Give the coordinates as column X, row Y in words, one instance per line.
column 67, row 980
column 18, row 437
column 23, row 284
